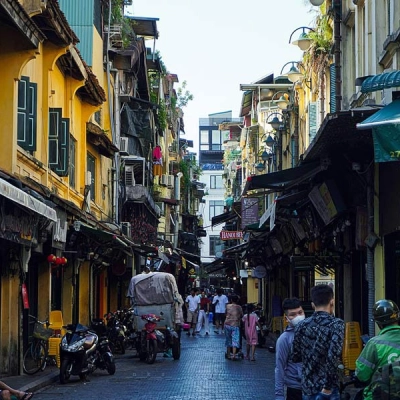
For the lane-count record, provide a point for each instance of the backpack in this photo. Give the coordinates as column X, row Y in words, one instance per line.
column 385, row 383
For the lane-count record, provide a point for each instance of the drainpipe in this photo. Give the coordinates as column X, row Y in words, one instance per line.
column 370, row 251
column 177, row 209
column 337, row 9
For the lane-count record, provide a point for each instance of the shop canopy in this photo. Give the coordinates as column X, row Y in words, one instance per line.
column 381, row 81
column 389, row 114
column 283, row 180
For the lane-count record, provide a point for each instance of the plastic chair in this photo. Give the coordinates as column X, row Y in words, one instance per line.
column 57, row 322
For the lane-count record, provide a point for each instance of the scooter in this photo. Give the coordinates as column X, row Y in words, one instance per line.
column 116, row 332
column 152, row 341
column 81, row 353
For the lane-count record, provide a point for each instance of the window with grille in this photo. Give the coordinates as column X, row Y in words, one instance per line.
column 216, row 182
column 58, row 142
column 72, row 162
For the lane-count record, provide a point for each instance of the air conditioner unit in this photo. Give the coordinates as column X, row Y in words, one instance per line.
column 123, row 146
column 161, row 206
column 129, row 175
column 170, row 181
column 126, row 228
column 164, row 180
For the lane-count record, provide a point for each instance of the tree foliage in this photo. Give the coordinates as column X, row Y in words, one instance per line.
column 183, row 96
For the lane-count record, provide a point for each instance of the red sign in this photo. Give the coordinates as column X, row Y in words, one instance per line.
column 231, row 235
column 25, row 296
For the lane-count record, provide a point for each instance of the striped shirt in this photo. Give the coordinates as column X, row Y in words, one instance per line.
column 318, row 343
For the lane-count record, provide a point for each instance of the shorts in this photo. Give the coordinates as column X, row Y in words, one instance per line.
column 220, row 317
column 232, row 336
column 192, row 316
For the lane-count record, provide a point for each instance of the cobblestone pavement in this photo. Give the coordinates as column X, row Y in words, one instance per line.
column 201, row 373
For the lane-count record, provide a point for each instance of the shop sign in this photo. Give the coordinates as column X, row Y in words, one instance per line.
column 231, row 235
column 327, row 201
column 18, row 228
column 386, row 143
column 249, row 211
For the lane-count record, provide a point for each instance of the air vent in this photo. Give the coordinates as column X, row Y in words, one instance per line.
column 123, row 146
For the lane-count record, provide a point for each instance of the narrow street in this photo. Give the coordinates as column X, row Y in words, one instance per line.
column 201, row 373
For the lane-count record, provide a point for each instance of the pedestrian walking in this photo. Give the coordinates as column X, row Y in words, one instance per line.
column 203, row 313
column 379, row 351
column 318, row 343
column 192, row 304
column 234, row 314
column 250, row 323
column 288, row 373
column 220, row 301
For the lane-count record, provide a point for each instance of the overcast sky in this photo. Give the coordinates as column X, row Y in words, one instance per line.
column 215, row 45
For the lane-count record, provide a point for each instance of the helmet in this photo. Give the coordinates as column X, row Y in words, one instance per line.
column 385, row 312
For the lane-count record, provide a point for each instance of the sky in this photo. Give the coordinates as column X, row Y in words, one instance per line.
column 216, row 45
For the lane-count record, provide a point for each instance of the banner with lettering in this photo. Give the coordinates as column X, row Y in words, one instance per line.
column 386, row 142
column 231, row 235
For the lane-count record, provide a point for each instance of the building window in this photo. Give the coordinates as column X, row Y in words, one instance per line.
column 216, row 142
column 58, row 142
column 204, row 140
column 97, row 117
column 216, row 182
column 91, row 175
column 27, row 114
column 72, row 162
column 216, row 245
column 216, row 207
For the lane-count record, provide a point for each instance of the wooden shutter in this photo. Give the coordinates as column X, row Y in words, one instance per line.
column 312, row 120
column 58, row 142
column 27, row 114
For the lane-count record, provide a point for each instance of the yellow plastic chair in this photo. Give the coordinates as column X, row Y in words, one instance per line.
column 57, row 322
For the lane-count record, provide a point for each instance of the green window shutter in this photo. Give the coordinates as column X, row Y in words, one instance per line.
column 58, row 142
column 333, row 88
column 312, row 120
column 27, row 114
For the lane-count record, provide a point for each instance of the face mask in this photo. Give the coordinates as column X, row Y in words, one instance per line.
column 295, row 321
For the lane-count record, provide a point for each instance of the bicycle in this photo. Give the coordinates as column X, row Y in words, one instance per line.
column 37, row 356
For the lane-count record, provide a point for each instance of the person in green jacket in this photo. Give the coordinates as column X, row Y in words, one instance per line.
column 383, row 348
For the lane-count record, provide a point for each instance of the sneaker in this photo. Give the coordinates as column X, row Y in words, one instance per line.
column 206, row 333
column 216, row 332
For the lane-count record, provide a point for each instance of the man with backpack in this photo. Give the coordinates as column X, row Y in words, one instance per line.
column 379, row 361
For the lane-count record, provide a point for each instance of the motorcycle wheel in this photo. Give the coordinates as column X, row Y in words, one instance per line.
column 110, row 366
column 122, row 346
column 142, row 356
column 65, row 371
column 152, row 352
column 176, row 349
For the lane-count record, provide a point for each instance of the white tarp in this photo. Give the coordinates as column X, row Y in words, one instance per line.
column 153, row 288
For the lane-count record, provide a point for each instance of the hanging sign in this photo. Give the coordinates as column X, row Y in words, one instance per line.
column 231, row 235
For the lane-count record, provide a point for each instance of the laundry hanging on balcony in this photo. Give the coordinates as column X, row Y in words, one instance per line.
column 157, row 161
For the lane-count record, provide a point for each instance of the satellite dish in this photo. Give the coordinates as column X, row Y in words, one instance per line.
column 260, row 272
column 218, row 254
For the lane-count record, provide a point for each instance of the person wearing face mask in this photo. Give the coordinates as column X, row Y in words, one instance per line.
column 288, row 373
column 318, row 343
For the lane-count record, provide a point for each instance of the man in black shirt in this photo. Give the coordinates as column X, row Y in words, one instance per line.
column 318, row 343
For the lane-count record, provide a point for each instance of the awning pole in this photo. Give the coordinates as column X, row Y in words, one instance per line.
column 370, row 251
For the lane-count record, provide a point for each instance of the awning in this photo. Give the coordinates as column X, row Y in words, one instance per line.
column 99, row 234
column 282, row 180
column 26, row 200
column 218, row 264
column 381, row 81
column 225, row 217
column 144, row 26
column 389, row 114
column 338, row 133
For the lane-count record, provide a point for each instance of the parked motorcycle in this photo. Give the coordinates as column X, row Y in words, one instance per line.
column 81, row 353
column 152, row 341
column 116, row 332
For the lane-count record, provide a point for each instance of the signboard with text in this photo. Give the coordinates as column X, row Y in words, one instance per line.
column 231, row 235
column 249, row 211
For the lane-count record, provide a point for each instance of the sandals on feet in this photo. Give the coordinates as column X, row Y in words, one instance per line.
column 27, row 396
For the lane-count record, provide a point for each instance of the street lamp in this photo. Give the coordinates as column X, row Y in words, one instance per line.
column 294, row 74
column 282, row 102
column 275, row 122
column 303, row 42
column 260, row 167
column 270, row 141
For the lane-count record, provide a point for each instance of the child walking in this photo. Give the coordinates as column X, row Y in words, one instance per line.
column 250, row 322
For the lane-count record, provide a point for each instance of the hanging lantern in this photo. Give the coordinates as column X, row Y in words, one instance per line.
column 58, row 260
column 51, row 258
column 64, row 260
